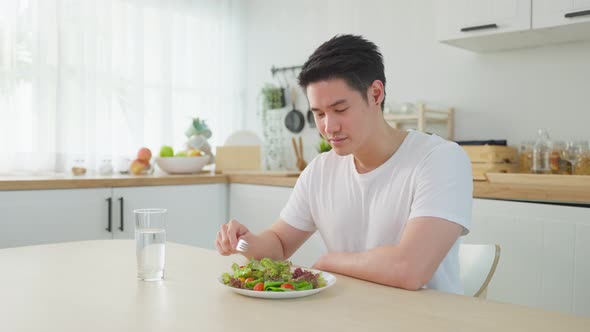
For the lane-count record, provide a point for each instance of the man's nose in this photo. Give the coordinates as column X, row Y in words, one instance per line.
column 331, row 124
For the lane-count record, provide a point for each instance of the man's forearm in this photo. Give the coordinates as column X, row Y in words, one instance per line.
column 410, row 264
column 265, row 244
column 384, row 265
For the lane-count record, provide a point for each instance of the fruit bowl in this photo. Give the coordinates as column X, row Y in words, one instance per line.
column 182, row 165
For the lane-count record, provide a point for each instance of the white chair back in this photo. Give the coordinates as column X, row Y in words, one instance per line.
column 477, row 266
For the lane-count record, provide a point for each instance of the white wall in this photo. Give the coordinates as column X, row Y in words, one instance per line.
column 499, row 95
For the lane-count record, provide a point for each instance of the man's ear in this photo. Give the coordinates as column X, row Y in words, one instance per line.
column 376, row 92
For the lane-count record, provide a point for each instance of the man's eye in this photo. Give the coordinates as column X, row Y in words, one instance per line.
column 340, row 111
column 319, row 115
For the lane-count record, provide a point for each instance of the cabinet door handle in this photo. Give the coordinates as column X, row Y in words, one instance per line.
column 122, row 225
column 110, row 214
column 576, row 14
column 480, row 27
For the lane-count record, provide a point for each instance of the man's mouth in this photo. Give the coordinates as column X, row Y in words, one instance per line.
column 336, row 140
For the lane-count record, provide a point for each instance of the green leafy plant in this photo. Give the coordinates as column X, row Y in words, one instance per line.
column 198, row 127
column 324, row 146
column 272, row 97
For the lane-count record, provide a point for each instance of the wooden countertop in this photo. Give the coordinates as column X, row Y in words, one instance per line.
column 261, row 179
column 92, row 286
column 531, row 192
column 96, row 181
column 481, row 189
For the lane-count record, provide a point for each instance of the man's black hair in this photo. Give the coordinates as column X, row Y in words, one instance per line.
column 352, row 58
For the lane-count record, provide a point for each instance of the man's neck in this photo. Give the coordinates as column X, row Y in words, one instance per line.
column 379, row 148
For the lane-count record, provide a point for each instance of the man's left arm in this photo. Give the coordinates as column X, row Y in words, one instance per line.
column 409, row 264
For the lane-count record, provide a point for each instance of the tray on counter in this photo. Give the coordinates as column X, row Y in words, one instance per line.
column 578, row 181
column 264, row 173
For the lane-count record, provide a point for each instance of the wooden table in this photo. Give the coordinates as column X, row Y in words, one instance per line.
column 92, row 286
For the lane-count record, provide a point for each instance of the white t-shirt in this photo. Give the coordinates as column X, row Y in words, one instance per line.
column 426, row 176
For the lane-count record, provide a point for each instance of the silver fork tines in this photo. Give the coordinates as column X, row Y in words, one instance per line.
column 242, row 246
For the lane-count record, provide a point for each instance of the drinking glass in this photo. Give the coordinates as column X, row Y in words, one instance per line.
column 150, row 241
column 570, row 153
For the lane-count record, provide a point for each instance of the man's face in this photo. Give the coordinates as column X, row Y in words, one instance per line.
column 341, row 114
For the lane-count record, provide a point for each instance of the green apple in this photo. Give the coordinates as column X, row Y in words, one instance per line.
column 166, row 151
column 181, row 154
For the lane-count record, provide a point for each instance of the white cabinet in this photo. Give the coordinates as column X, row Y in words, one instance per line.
column 494, row 25
column 49, row 216
column 551, row 13
column 258, row 207
column 544, row 258
column 469, row 18
column 195, row 212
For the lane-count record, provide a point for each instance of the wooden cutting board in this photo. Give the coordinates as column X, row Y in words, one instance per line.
column 577, row 181
column 264, row 173
column 491, row 153
column 479, row 170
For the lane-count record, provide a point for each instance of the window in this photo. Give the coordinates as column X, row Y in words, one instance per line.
column 97, row 78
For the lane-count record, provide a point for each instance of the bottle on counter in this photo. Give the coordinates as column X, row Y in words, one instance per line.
column 541, row 153
column 526, row 156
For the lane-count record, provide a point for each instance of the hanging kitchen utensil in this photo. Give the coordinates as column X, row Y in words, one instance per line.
column 294, row 121
column 310, row 119
column 284, row 87
column 301, row 163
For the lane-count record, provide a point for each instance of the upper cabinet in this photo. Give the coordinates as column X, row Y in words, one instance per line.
column 493, row 25
column 471, row 18
column 552, row 13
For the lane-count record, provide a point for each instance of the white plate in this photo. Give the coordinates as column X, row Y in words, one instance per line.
column 330, row 280
column 243, row 137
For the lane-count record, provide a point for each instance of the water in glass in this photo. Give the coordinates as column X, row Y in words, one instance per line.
column 151, row 252
column 150, row 241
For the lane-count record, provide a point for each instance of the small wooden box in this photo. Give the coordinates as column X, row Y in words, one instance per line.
column 491, row 153
column 479, row 170
column 237, row 158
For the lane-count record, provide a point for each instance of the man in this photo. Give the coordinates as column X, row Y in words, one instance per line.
column 389, row 204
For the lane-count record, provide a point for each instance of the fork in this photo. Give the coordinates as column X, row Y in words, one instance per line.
column 242, row 246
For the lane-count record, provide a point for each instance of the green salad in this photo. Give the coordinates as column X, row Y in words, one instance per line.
column 272, row 276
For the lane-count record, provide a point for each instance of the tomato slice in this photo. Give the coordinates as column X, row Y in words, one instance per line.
column 287, row 286
column 249, row 279
column 259, row 286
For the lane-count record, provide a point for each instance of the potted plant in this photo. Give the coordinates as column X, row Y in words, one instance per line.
column 273, row 101
column 273, row 97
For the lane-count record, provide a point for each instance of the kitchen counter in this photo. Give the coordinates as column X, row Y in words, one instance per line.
column 261, row 179
column 481, row 189
column 531, row 192
column 33, row 182
column 60, row 181
column 92, row 286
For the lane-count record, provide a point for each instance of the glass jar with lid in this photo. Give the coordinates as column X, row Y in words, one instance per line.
column 582, row 165
column 78, row 164
column 526, row 156
column 106, row 166
column 557, row 166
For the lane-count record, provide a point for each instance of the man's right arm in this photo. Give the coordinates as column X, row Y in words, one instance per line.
column 281, row 240
column 278, row 242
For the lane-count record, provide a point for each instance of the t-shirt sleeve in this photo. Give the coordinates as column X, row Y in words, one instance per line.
column 297, row 211
column 444, row 186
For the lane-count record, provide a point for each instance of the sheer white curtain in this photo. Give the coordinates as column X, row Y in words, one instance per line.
column 87, row 79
